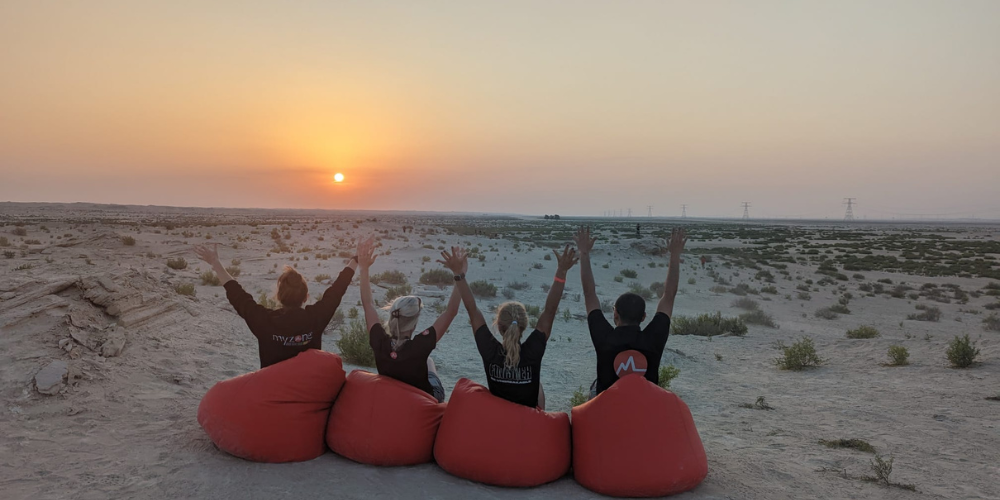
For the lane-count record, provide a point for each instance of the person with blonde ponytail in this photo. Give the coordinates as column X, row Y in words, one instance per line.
column 398, row 353
column 513, row 367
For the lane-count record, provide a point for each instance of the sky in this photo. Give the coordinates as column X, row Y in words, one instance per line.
column 539, row 107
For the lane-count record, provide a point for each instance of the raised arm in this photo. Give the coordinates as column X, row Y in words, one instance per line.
column 675, row 247
column 444, row 320
column 584, row 243
column 564, row 263
column 210, row 254
column 326, row 307
column 458, row 263
column 366, row 257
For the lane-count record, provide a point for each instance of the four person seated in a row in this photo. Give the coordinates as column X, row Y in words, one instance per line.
column 512, row 364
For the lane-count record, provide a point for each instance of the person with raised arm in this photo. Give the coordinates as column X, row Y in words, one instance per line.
column 398, row 353
column 513, row 368
column 626, row 347
column 285, row 332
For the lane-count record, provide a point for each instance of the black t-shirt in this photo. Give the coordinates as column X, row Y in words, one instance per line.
column 518, row 385
column 283, row 333
column 407, row 364
column 627, row 349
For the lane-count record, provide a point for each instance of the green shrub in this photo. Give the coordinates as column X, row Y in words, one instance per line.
column 798, row 356
column 265, row 300
column 394, row 277
column 898, row 356
column 533, row 311
column 128, row 241
column 579, row 397
column 708, row 325
column 668, row 373
column 992, row 322
column 629, row 273
column 209, row 278
column 354, row 345
column 692, row 281
column 758, row 317
column 962, row 352
column 771, row 289
column 657, row 288
column 185, row 289
column 397, row 291
column 439, row 277
column 619, row 279
column 746, row 303
column 483, row 288
column 233, row 271
column 352, row 313
column 863, row 332
column 640, row 290
column 519, row 285
column 826, row 313
column 930, row 313
column 839, row 309
column 178, row 263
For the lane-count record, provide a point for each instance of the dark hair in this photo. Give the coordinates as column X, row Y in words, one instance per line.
column 292, row 288
column 631, row 308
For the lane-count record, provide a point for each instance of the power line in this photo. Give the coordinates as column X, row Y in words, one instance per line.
column 849, row 214
column 746, row 210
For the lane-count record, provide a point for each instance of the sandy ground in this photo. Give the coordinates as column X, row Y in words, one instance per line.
column 124, row 426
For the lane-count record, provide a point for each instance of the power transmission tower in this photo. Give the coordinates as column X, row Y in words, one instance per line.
column 684, row 211
column 630, row 213
column 649, row 212
column 849, row 214
column 746, row 210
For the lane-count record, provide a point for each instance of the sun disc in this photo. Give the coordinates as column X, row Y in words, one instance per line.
column 338, row 177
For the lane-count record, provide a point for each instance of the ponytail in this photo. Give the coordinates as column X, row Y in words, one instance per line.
column 511, row 320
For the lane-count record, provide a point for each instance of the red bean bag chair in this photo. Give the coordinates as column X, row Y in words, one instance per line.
column 275, row 414
column 491, row 440
column 381, row 421
column 637, row 440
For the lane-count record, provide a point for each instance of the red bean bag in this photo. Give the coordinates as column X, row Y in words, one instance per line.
column 275, row 414
column 637, row 440
column 381, row 421
column 491, row 440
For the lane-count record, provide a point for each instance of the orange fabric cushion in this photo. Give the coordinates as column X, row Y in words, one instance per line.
column 275, row 414
column 381, row 421
column 637, row 440
column 493, row 441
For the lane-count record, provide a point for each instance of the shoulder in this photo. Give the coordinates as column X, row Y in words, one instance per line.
column 596, row 319
column 536, row 337
column 377, row 329
column 483, row 333
column 659, row 324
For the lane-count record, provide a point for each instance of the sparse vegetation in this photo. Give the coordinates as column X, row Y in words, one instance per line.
column 898, row 356
column 863, row 332
column 483, row 288
column 185, row 289
column 758, row 317
column 267, row 301
column 826, row 313
column 128, row 241
column 992, row 322
column 668, row 373
column 209, row 278
column 321, row 278
column 708, row 325
column 929, row 313
column 746, row 303
column 579, row 397
column 760, row 404
column 394, row 277
column 354, row 346
column 852, row 444
column 234, row 271
column 798, row 356
column 178, row 263
column 640, row 290
column 438, row 277
column 397, row 291
column 629, row 273
column 962, row 352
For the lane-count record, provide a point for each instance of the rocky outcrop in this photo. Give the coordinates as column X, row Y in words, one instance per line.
column 49, row 380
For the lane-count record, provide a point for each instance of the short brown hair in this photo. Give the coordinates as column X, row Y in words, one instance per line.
column 292, row 288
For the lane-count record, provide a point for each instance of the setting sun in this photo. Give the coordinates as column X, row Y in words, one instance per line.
column 338, row 177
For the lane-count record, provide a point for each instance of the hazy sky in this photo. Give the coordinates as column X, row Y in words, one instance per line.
column 526, row 107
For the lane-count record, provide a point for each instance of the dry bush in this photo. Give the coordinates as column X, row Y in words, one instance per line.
column 178, row 263
column 185, row 289
column 962, row 352
column 898, row 356
column 863, row 332
column 798, row 356
column 354, row 345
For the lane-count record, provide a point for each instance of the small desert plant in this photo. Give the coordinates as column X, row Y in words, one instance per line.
column 800, row 355
column 392, row 277
column 439, row 277
column 992, row 322
column 397, row 291
column 354, row 345
column 321, row 278
column 839, row 309
column 128, row 241
column 178, row 263
column 640, row 290
column 508, row 293
column 826, row 313
column 533, row 311
column 804, row 296
column 863, row 332
column 760, row 404
column 657, row 288
column 746, row 303
column 185, row 289
column 668, row 373
column 691, row 281
column 853, row 444
column 265, row 300
column 579, row 397
column 234, row 271
column 567, row 315
column 519, row 285
column 770, row 289
column 209, row 278
column 898, row 356
column 629, row 273
column 962, row 352
column 882, row 469
column 758, row 317
column 607, row 305
column 709, row 325
column 483, row 288
column 930, row 313
column 19, row 231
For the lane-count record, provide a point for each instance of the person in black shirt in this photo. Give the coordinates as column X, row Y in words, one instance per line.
column 513, row 368
column 398, row 353
column 285, row 332
column 626, row 348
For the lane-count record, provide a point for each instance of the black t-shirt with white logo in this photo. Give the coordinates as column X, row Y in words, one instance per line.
column 517, row 385
column 407, row 364
column 627, row 349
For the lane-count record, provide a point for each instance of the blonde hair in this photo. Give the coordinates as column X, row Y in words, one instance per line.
column 403, row 315
column 511, row 320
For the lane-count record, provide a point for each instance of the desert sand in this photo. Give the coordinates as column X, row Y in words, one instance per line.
column 97, row 324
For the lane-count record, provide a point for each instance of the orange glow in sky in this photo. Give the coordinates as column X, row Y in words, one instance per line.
column 508, row 107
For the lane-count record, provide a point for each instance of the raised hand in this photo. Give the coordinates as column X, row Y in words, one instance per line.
column 583, row 240
column 457, row 261
column 208, row 252
column 677, row 241
column 567, row 259
column 366, row 252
